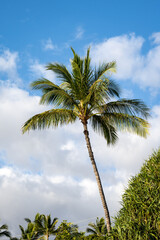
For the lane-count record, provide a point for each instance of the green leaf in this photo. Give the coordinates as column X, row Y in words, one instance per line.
column 101, row 125
column 54, row 117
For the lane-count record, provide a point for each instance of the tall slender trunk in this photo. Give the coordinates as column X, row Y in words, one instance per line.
column 107, row 216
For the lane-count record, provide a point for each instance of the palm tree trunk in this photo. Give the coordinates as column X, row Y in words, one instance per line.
column 106, row 211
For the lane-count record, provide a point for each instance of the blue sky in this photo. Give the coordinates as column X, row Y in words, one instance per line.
column 45, row 166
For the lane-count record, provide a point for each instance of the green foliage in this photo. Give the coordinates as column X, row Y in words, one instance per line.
column 29, row 233
column 4, row 231
column 98, row 229
column 45, row 226
column 41, row 228
column 68, row 231
column 139, row 217
column 86, row 94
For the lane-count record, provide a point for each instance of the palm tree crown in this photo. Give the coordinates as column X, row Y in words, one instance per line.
column 87, row 94
column 97, row 229
column 45, row 226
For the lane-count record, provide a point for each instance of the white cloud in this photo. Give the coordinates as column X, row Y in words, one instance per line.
column 122, row 49
column 68, row 146
column 155, row 37
column 8, row 66
column 79, row 33
column 48, row 44
column 127, row 93
column 63, row 197
column 131, row 63
column 16, row 106
column 89, row 188
column 39, row 70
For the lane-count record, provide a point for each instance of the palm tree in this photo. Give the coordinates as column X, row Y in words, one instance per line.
column 87, row 94
column 68, row 231
column 29, row 233
column 98, row 229
column 4, row 231
column 45, row 227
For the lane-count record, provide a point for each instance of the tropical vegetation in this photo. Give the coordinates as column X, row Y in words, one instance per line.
column 138, row 218
column 87, row 94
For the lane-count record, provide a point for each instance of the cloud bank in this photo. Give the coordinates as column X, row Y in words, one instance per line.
column 132, row 64
column 50, row 171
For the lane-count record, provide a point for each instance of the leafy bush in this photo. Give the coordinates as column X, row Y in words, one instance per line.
column 139, row 217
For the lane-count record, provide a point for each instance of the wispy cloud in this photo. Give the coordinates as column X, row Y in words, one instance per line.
column 79, row 33
column 8, row 66
column 77, row 36
column 48, row 45
column 155, row 37
column 39, row 70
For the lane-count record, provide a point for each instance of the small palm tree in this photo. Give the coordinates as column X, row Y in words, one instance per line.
column 29, row 233
column 4, row 231
column 87, row 94
column 98, row 229
column 45, row 227
column 68, row 231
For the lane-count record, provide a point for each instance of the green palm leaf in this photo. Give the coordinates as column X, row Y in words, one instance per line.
column 54, row 117
column 4, row 231
column 127, row 106
column 53, row 94
column 101, row 125
column 125, row 122
column 62, row 73
column 104, row 69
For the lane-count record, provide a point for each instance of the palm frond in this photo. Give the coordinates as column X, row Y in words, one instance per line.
column 53, row 117
column 77, row 59
column 88, row 72
column 27, row 220
column 77, row 65
column 91, row 229
column 101, row 125
column 98, row 93
column 53, row 94
column 126, row 122
column 43, row 84
column 77, row 74
column 22, row 229
column 4, row 226
column 128, row 106
column 62, row 73
column 113, row 89
column 104, row 68
column 55, row 220
column 58, row 97
column 39, row 225
column 5, row 234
